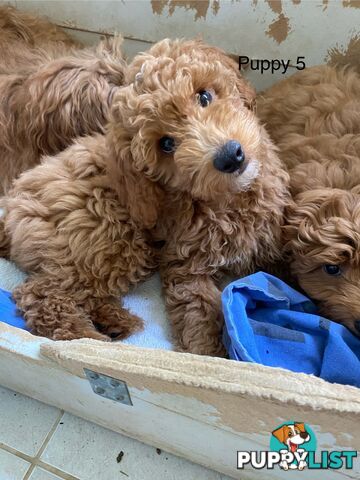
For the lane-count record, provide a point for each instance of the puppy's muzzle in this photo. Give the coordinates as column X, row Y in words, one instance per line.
column 230, row 158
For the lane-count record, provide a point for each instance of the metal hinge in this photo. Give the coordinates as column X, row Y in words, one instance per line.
column 108, row 387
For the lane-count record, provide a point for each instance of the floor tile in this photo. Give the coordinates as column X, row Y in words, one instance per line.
column 90, row 452
column 40, row 474
column 24, row 422
column 12, row 467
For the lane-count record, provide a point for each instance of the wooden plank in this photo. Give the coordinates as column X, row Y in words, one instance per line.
column 186, row 420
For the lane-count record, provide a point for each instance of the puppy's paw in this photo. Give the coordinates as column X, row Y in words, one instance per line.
column 123, row 330
column 116, row 322
column 60, row 334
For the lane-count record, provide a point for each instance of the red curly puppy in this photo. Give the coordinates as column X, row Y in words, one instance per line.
column 314, row 117
column 185, row 160
column 190, row 128
column 51, row 91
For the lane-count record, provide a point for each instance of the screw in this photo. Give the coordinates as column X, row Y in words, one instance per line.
column 99, row 390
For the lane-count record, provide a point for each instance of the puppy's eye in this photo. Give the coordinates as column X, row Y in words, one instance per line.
column 333, row 270
column 205, row 98
column 167, row 144
column 290, row 434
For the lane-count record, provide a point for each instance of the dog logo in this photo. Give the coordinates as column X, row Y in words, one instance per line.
column 293, row 436
column 293, row 446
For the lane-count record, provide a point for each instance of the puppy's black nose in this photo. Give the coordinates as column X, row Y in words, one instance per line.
column 230, row 157
column 357, row 326
column 304, row 435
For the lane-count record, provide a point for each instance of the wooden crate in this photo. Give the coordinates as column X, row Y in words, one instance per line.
column 203, row 409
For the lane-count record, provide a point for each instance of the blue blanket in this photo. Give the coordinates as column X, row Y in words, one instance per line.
column 8, row 311
column 268, row 322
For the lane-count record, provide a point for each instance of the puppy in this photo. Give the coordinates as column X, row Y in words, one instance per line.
column 184, row 160
column 314, row 117
column 51, row 92
column 188, row 122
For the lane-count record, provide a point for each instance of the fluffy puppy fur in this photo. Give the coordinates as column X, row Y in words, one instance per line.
column 91, row 213
column 17, row 25
column 314, row 117
column 50, row 93
column 21, row 34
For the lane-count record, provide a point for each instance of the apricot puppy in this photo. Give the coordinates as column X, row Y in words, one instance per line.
column 314, row 117
column 52, row 90
column 188, row 120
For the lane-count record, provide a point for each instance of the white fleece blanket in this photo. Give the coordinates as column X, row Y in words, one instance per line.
column 146, row 301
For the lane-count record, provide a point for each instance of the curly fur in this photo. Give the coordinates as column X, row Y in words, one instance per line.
column 92, row 213
column 68, row 230
column 50, row 92
column 28, row 41
column 314, row 117
column 21, row 33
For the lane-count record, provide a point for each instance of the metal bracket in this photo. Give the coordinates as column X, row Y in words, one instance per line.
column 108, row 387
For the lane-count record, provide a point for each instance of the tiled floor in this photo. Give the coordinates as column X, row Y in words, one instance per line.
column 38, row 442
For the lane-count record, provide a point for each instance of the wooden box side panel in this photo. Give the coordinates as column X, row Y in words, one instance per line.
column 201, row 424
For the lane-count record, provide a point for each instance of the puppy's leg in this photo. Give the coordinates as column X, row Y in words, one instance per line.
column 51, row 313
column 194, row 307
column 112, row 319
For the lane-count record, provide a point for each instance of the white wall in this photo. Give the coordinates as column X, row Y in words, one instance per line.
column 261, row 29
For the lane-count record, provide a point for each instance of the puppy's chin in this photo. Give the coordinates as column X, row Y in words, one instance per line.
column 244, row 180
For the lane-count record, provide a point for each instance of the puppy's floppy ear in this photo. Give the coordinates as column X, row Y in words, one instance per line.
column 306, row 216
column 319, row 228
column 303, row 218
column 246, row 90
column 280, row 433
column 142, row 196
